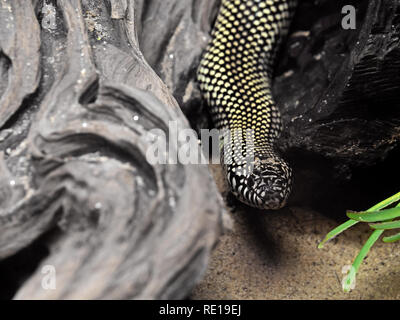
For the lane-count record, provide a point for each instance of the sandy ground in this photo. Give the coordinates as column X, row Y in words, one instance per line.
column 275, row 256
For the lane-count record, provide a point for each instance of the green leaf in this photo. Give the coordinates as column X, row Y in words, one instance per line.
column 394, row 238
column 386, row 225
column 336, row 231
column 385, row 203
column 350, row 223
column 375, row 216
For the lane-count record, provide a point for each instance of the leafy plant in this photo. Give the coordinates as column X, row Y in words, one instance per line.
column 380, row 218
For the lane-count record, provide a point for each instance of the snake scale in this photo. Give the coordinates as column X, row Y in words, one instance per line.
column 235, row 76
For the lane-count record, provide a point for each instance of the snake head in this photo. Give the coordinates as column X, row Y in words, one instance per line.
column 264, row 183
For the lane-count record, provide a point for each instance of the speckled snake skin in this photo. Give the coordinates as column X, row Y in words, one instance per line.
column 235, row 78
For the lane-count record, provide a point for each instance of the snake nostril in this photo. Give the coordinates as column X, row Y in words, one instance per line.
column 265, row 190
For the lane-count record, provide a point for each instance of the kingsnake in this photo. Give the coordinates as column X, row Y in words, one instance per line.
column 235, row 75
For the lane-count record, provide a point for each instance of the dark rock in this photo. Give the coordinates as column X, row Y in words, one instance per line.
column 343, row 84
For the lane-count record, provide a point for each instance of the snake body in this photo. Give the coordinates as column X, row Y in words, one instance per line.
column 235, row 75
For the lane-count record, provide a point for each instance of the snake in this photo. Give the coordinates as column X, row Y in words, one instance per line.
column 235, row 78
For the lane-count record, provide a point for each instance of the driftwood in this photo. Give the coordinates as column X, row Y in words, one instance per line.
column 77, row 98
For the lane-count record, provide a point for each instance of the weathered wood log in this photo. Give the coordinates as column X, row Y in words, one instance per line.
column 73, row 158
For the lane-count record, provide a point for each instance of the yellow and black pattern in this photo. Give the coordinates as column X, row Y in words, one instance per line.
column 235, row 78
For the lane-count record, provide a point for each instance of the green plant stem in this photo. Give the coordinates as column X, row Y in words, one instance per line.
column 360, row 257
